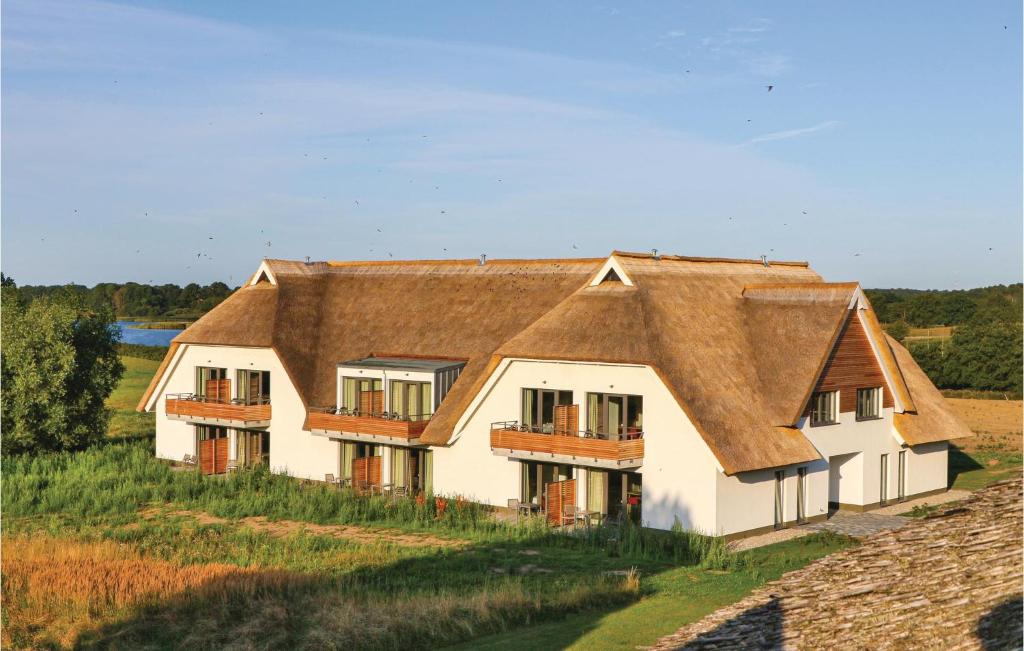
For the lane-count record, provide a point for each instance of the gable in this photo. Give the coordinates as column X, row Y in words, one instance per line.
column 852, row 365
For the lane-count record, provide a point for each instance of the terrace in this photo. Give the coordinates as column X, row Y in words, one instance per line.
column 586, row 448
column 216, row 410
column 366, row 426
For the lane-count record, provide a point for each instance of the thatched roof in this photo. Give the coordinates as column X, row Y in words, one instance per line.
column 738, row 343
column 932, row 419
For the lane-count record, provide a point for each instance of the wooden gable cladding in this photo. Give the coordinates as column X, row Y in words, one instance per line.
column 852, row 365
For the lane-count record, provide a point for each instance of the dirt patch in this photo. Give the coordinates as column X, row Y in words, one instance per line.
column 364, row 535
column 997, row 423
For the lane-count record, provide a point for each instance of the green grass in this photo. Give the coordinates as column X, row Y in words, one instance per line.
column 977, row 469
column 125, row 422
column 672, row 599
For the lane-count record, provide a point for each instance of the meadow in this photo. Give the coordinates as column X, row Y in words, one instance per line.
column 111, row 547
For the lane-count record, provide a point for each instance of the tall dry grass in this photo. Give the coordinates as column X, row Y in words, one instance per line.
column 54, row 589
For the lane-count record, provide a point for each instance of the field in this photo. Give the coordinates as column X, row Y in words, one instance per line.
column 995, row 451
column 937, row 333
column 112, row 547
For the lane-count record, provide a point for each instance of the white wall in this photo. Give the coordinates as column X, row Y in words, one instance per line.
column 292, row 449
column 678, row 473
column 927, row 468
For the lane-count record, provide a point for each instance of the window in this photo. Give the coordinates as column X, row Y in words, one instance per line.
column 615, row 416
column 411, row 400
column 539, row 408
column 867, row 403
column 253, row 387
column 365, row 395
column 823, row 408
column 212, row 383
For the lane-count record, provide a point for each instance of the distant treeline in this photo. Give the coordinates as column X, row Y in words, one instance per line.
column 135, row 299
column 930, row 307
column 985, row 351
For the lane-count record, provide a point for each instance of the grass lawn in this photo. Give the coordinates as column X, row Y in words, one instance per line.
column 124, row 420
column 672, row 599
column 979, row 468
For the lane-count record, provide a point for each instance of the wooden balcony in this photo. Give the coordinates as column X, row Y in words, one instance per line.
column 576, row 448
column 230, row 413
column 367, row 428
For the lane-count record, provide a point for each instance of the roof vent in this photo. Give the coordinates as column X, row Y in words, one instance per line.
column 654, row 254
column 483, row 259
column 307, row 259
column 764, row 260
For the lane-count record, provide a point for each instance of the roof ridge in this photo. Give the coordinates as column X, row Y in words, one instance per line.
column 693, row 258
column 457, row 261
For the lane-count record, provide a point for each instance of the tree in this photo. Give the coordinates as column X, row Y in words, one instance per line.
column 58, row 364
column 986, row 356
column 898, row 330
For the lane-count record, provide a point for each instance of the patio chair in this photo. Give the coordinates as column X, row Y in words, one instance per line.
column 513, row 507
column 399, row 491
column 568, row 515
column 232, row 465
column 329, row 478
column 189, row 460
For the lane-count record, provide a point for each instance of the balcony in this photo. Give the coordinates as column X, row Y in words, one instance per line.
column 385, row 428
column 213, row 411
column 594, row 449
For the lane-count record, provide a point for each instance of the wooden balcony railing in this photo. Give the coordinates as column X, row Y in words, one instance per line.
column 585, row 448
column 186, row 406
column 369, row 425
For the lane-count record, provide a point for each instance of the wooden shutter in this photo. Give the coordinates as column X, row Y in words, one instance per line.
column 218, row 390
column 559, row 495
column 567, row 419
column 371, row 402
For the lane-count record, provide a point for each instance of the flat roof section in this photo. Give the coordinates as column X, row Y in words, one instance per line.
column 404, row 363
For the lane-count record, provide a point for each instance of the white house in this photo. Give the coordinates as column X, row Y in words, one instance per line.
column 732, row 396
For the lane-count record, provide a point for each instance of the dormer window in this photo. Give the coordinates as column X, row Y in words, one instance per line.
column 823, row 408
column 868, row 401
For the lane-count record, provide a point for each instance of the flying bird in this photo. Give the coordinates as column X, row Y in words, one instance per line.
column 357, row 203
column 769, row 87
column 804, row 211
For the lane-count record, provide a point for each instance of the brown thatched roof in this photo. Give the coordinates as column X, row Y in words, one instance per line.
column 932, row 419
column 737, row 342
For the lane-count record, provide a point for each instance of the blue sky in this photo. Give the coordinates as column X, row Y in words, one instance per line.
column 181, row 142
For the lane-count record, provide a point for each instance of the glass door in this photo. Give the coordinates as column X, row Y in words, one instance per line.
column 539, row 408
column 883, row 490
column 801, row 497
column 411, row 400
column 779, row 476
column 901, row 479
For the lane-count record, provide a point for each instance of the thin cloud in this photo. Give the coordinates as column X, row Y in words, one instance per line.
column 756, row 26
column 791, row 133
column 676, row 33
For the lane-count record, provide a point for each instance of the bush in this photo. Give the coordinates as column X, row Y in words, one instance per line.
column 59, row 363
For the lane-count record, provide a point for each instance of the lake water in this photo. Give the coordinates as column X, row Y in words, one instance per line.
column 145, row 337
